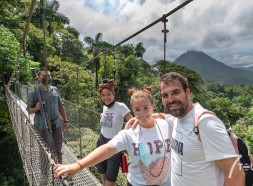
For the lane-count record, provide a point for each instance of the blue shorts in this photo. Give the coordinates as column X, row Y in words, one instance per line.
column 109, row 167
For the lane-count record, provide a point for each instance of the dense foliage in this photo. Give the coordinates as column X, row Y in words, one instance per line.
column 77, row 73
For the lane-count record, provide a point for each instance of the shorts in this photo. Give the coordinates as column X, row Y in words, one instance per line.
column 109, row 167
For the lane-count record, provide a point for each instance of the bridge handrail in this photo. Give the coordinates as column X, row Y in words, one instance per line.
column 36, row 157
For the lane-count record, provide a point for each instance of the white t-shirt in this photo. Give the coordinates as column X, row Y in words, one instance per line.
column 129, row 140
column 112, row 119
column 193, row 161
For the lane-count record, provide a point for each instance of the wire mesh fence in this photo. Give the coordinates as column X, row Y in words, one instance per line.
column 36, row 156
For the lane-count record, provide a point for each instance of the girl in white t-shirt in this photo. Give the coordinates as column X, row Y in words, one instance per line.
column 147, row 145
column 111, row 121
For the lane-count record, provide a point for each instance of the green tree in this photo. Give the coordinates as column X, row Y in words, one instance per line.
column 239, row 96
column 69, row 47
column 12, row 12
column 52, row 15
column 35, row 45
column 9, row 47
column 139, row 50
column 73, row 31
column 93, row 43
column 107, row 68
column 195, row 80
column 132, row 72
column 221, row 107
column 126, row 50
column 244, row 129
column 77, row 90
column 53, row 18
column 95, row 46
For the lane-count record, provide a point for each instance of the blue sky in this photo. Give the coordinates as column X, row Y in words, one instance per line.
column 222, row 29
column 106, row 7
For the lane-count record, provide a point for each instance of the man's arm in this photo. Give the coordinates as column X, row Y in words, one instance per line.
column 132, row 123
column 33, row 105
column 233, row 138
column 34, row 109
column 159, row 115
column 233, row 171
column 64, row 116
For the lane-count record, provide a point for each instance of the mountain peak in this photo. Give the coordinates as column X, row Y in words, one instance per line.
column 212, row 69
column 195, row 51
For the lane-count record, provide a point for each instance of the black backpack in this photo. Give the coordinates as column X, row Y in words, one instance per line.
column 245, row 161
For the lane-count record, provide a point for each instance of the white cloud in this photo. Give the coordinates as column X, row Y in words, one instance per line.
column 218, row 28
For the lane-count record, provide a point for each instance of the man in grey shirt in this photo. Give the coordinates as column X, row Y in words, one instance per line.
column 54, row 110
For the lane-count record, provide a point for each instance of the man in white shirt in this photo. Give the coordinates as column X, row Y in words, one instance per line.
column 211, row 161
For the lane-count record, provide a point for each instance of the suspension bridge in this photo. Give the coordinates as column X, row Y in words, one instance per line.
column 36, row 156
column 38, row 160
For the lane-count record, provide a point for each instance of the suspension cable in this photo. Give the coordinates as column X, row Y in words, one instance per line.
column 135, row 34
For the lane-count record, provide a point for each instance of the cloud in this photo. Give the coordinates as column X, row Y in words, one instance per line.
column 217, row 40
column 235, row 59
column 219, row 28
column 107, row 7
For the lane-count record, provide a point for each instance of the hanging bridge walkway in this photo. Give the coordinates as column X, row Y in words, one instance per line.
column 37, row 159
column 80, row 139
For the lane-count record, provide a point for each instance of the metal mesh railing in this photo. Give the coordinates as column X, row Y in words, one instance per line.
column 36, row 156
column 84, row 128
column 84, row 123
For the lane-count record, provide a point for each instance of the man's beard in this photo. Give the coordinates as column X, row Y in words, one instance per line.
column 179, row 112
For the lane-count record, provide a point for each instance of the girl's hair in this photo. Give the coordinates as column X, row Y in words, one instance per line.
column 139, row 93
column 108, row 84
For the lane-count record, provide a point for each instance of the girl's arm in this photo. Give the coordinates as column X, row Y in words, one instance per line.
column 98, row 155
column 128, row 116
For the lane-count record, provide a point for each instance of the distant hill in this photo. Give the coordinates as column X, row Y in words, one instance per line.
column 211, row 69
column 247, row 68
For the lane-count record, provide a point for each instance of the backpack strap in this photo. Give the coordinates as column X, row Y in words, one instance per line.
column 196, row 120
